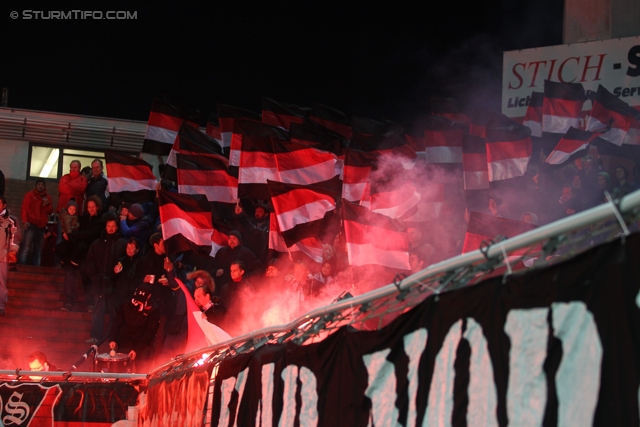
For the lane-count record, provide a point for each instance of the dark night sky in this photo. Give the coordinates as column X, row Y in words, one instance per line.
column 382, row 61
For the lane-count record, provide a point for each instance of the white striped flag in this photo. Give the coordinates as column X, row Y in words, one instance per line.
column 257, row 162
column 474, row 163
column 633, row 135
column 508, row 148
column 227, row 117
column 190, row 140
column 321, row 138
column 432, row 197
column 304, row 210
column 130, row 178
column 483, row 228
column 533, row 116
column 310, row 246
column 373, row 238
column 332, row 119
column 448, row 107
column 611, row 116
column 561, row 106
column 281, row 115
column 209, row 176
column 186, row 220
column 213, row 130
column 165, row 120
column 442, row 141
column 574, row 141
column 357, row 174
column 299, row 163
column 391, row 193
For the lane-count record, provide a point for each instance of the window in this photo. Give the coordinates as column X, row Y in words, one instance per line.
column 52, row 162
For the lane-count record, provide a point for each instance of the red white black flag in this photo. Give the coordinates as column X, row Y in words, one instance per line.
column 561, row 106
column 209, row 176
column 448, row 107
column 442, row 140
column 192, row 141
column 186, row 222
column 227, row 117
column 611, row 116
column 310, row 246
column 130, row 178
column 213, row 130
column 165, row 120
column 304, row 210
column 474, row 163
column 374, row 238
column 281, row 115
column 573, row 142
column 332, row 119
column 508, row 148
column 356, row 175
column 533, row 116
column 483, row 228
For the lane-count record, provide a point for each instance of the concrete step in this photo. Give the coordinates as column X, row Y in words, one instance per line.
column 36, row 295
column 49, row 271
column 50, row 312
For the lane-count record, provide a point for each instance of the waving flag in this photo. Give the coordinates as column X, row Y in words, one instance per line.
column 357, row 174
column 508, row 148
column 561, row 106
column 282, row 115
column 486, row 227
column 209, row 176
column 332, row 119
column 443, row 141
column 227, row 117
column 611, row 116
column 190, row 140
column 186, row 222
column 533, row 116
column 213, row 130
column 574, row 141
column 373, row 238
column 474, row 163
column 304, row 210
column 130, row 178
column 448, row 107
column 165, row 120
column 310, row 246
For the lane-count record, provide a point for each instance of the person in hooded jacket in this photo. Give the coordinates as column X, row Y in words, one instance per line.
column 135, row 326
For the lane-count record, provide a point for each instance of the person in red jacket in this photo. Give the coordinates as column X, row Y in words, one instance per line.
column 72, row 186
column 35, row 210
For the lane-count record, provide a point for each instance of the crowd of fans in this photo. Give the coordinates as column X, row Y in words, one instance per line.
column 115, row 255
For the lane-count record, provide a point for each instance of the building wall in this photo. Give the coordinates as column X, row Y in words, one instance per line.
column 588, row 20
column 14, row 157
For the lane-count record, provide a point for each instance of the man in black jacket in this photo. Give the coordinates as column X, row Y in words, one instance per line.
column 102, row 257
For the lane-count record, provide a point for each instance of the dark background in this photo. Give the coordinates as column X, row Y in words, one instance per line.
column 367, row 59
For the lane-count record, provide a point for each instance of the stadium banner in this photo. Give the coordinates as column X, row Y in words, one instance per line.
column 557, row 347
column 36, row 404
column 614, row 63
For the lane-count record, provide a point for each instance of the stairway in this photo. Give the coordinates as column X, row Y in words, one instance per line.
column 34, row 321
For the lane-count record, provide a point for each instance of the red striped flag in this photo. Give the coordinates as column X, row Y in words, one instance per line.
column 486, row 227
column 186, row 222
column 533, row 116
column 448, row 107
column 432, row 197
column 130, row 177
column 207, row 175
column 304, row 210
column 474, row 163
column 357, row 174
column 611, row 116
column 310, row 246
column 331, row 119
column 281, row 115
column 321, row 138
column 561, row 106
column 508, row 148
column 633, row 135
column 190, row 140
column 257, row 161
column 574, row 141
column 165, row 120
column 213, row 129
column 298, row 163
column 227, row 117
column 373, row 238
column 442, row 141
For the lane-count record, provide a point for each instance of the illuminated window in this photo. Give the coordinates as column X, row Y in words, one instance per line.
column 53, row 162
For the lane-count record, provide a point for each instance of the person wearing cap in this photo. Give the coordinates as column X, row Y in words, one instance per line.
column 235, row 251
column 34, row 211
column 133, row 223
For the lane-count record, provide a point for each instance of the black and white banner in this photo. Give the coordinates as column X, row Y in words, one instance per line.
column 555, row 347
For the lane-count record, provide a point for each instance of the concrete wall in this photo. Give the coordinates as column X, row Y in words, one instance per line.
column 13, row 158
column 587, row 20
